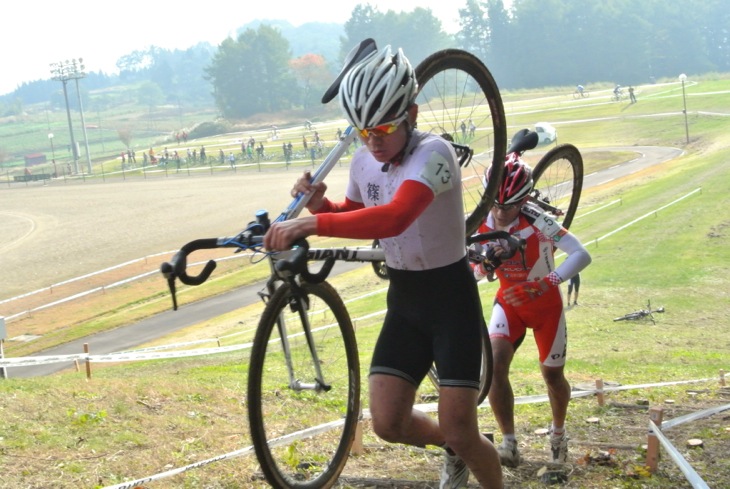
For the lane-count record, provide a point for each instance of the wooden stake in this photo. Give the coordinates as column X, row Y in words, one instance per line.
column 3, row 370
column 656, row 414
column 88, row 362
column 599, row 392
column 722, row 377
column 357, row 448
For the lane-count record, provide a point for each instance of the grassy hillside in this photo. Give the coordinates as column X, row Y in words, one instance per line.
column 137, row 419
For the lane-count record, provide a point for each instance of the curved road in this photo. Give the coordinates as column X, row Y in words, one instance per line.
column 129, row 337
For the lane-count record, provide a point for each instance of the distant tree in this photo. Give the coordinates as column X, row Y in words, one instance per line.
column 251, row 75
column 133, row 62
column 475, row 34
column 419, row 33
column 13, row 107
column 150, row 94
column 314, row 78
column 125, row 136
column 500, row 41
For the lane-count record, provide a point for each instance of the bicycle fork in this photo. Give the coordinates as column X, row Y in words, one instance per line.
column 299, row 303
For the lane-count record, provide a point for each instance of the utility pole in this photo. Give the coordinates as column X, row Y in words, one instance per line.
column 64, row 71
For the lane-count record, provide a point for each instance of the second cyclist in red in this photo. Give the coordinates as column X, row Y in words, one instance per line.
column 528, row 297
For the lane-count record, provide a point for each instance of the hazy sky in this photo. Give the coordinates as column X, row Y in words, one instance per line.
column 35, row 33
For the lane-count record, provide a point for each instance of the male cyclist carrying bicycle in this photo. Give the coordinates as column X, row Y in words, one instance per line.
column 404, row 190
column 528, row 297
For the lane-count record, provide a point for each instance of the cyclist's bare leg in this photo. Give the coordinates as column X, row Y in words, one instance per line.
column 395, row 420
column 501, row 397
column 458, row 422
column 558, row 392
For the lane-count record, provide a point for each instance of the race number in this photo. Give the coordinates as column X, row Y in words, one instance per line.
column 437, row 174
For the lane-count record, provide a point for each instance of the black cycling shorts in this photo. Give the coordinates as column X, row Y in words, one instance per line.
column 433, row 316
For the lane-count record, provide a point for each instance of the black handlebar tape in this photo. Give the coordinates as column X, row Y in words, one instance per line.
column 178, row 264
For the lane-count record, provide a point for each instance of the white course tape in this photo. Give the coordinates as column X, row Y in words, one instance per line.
column 692, row 476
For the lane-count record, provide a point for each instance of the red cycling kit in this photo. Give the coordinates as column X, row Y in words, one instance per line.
column 544, row 315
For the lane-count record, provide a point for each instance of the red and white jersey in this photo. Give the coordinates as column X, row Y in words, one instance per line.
column 436, row 238
column 542, row 234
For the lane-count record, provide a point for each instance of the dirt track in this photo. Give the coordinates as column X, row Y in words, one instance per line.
column 63, row 230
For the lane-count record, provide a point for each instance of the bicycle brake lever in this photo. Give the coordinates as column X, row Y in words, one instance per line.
column 167, row 272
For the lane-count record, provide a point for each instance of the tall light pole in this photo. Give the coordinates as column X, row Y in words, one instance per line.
column 683, row 78
column 58, row 72
column 73, row 70
column 53, row 153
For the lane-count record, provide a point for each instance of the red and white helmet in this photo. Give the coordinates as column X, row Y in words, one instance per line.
column 516, row 181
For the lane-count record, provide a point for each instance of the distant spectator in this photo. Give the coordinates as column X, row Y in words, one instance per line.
column 574, row 285
column 632, row 97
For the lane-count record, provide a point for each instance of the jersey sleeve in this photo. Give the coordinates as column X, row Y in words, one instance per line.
column 346, row 206
column 578, row 257
column 382, row 221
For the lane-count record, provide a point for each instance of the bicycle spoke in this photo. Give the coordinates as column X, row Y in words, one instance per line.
column 459, row 99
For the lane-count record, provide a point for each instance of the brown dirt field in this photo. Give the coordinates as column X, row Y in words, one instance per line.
column 55, row 232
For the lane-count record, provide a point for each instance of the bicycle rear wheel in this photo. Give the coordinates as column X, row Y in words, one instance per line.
column 632, row 316
column 459, row 99
column 302, row 428
column 558, row 178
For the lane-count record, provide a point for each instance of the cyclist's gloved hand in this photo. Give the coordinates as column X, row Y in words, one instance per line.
column 485, row 264
column 525, row 292
column 491, row 261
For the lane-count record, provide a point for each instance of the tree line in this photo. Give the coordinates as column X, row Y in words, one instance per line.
column 534, row 43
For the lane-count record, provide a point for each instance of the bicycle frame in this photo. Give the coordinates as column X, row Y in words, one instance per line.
column 301, row 200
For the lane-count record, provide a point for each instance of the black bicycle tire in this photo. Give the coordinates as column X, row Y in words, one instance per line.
column 279, row 301
column 487, row 368
column 485, row 379
column 457, row 59
column 571, row 154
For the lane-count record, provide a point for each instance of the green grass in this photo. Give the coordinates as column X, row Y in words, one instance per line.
column 137, row 419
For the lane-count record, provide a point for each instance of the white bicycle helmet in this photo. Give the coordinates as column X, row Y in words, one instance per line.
column 378, row 90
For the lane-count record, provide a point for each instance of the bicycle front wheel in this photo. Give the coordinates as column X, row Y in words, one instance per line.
column 459, row 100
column 558, row 178
column 304, row 387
